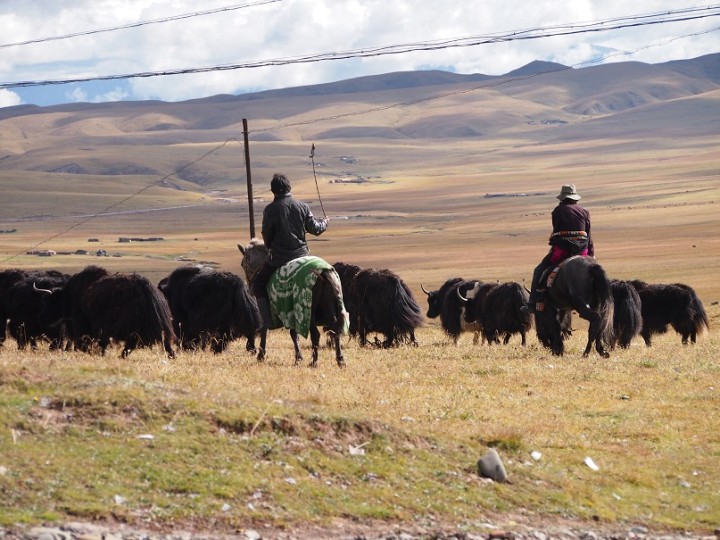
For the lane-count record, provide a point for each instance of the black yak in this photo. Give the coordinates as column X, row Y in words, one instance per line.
column 210, row 308
column 676, row 305
column 101, row 306
column 20, row 307
column 380, row 302
column 446, row 304
column 496, row 307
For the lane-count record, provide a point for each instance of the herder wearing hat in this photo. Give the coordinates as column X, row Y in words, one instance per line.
column 570, row 236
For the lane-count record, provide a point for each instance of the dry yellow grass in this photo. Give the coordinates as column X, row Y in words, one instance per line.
column 434, row 209
column 647, row 417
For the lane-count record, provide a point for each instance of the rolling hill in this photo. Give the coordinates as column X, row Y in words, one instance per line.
column 414, row 162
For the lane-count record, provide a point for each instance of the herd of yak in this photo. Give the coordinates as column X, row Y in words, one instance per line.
column 204, row 308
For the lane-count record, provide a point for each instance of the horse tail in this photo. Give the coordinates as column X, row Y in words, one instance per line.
column 603, row 300
column 333, row 279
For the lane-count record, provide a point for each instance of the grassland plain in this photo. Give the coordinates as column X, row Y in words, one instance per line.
column 222, row 443
column 235, row 444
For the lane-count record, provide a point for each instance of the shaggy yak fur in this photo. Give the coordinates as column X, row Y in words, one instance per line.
column 382, row 303
column 496, row 306
column 20, row 307
column 100, row 307
column 676, row 305
column 627, row 316
column 210, row 308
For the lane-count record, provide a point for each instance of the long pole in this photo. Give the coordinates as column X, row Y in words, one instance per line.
column 312, row 157
column 251, row 212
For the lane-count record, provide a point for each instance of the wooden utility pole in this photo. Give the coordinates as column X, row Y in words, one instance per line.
column 251, row 213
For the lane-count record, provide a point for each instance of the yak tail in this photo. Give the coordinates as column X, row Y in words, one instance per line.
column 519, row 299
column 406, row 314
column 699, row 316
column 604, row 305
column 158, row 323
column 628, row 313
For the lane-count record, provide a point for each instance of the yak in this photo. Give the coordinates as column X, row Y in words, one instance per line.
column 676, row 305
column 627, row 315
column 379, row 301
column 101, row 306
column 447, row 304
column 210, row 308
column 496, row 308
column 20, row 307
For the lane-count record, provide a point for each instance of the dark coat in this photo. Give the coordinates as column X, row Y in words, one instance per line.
column 285, row 222
column 570, row 216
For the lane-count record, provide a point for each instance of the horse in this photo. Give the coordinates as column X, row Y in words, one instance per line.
column 581, row 284
column 326, row 306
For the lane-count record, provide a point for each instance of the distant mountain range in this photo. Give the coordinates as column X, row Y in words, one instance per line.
column 540, row 101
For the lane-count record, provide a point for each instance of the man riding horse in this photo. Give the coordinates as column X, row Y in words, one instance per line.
column 285, row 222
column 570, row 236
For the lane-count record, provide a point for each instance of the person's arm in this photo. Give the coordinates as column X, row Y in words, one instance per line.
column 591, row 246
column 315, row 226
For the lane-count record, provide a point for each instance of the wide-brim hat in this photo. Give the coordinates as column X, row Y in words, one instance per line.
column 569, row 192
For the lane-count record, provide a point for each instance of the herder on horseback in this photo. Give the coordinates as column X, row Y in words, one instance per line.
column 570, row 236
column 285, row 222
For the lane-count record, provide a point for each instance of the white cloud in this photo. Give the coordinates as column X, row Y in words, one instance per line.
column 9, row 99
column 77, row 95
column 289, row 28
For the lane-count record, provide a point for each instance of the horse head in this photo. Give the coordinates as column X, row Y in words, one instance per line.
column 254, row 256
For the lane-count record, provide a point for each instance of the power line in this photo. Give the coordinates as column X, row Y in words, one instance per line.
column 118, row 203
column 344, row 115
column 483, row 86
column 680, row 15
column 139, row 24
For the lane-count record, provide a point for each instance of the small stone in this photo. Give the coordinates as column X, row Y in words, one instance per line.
column 490, row 466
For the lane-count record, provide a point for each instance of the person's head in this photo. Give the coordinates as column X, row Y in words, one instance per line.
column 280, row 185
column 568, row 193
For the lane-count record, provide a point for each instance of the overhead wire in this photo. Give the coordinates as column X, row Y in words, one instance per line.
column 139, row 24
column 680, row 15
column 365, row 111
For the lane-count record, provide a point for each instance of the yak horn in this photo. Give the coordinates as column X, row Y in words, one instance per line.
column 44, row 291
column 460, row 296
column 423, row 289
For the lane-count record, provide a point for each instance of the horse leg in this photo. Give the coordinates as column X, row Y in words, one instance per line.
column 315, row 341
column 263, row 342
column 250, row 344
column 594, row 337
column 167, row 345
column 296, row 345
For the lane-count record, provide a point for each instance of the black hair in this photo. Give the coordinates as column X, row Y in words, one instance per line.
column 280, row 185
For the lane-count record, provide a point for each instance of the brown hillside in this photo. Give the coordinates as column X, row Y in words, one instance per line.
column 432, row 179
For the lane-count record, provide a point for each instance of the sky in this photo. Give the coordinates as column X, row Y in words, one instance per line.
column 123, row 37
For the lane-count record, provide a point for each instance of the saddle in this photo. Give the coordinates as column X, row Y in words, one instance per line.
column 290, row 292
column 547, row 279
